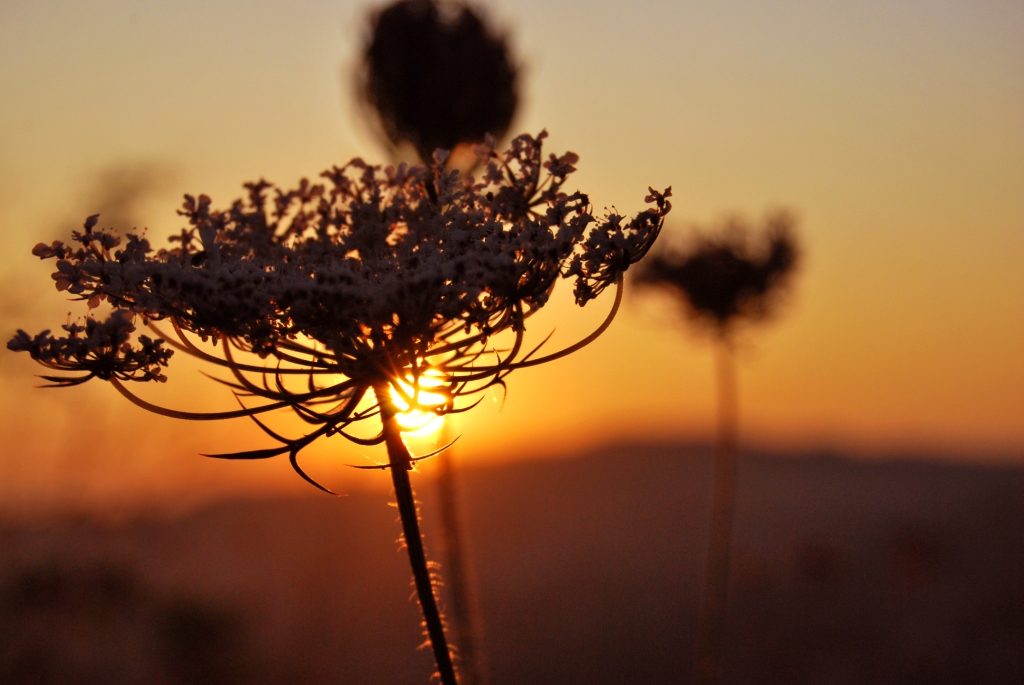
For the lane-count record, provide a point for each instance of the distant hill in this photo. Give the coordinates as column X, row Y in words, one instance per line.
column 589, row 569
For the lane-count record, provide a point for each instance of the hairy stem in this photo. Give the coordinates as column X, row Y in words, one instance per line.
column 464, row 611
column 401, row 464
column 711, row 619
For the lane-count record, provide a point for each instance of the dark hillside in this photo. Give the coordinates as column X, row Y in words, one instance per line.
column 589, row 569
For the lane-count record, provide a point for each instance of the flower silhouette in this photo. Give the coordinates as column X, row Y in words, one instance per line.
column 434, row 74
column 728, row 278
column 373, row 276
column 437, row 76
column 722, row 280
column 355, row 288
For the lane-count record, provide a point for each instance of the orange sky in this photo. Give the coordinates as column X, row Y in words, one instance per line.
column 895, row 132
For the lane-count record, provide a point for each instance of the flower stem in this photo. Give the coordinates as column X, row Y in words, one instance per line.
column 460, row 584
column 711, row 619
column 401, row 464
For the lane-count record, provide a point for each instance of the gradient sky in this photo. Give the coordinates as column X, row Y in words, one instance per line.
column 894, row 130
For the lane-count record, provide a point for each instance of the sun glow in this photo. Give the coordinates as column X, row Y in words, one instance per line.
column 419, row 418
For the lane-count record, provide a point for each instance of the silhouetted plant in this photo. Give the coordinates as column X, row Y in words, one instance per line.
column 464, row 609
column 723, row 280
column 350, row 290
column 437, row 76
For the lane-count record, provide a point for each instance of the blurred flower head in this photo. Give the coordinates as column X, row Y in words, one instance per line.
column 732, row 274
column 437, row 76
column 369, row 281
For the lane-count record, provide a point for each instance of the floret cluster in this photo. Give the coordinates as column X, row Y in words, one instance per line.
column 363, row 282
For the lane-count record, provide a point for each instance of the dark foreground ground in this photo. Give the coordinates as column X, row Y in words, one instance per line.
column 589, row 569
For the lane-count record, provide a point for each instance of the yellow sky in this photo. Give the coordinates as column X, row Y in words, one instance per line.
column 895, row 132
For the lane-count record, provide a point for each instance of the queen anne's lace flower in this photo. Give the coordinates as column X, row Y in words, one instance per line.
column 359, row 283
column 100, row 348
column 353, row 288
column 435, row 74
column 733, row 276
column 724, row 279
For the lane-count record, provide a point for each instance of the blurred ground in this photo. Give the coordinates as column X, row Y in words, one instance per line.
column 589, row 568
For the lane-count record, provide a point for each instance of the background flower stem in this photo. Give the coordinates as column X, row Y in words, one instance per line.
column 712, row 613
column 464, row 609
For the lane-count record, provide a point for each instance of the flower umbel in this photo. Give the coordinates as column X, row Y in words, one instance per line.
column 723, row 280
column 361, row 282
column 387, row 285
column 436, row 75
column 99, row 348
column 730, row 276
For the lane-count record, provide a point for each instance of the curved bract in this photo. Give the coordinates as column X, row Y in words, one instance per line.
column 364, row 281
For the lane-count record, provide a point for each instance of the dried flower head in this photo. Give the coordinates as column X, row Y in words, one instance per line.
column 728, row 276
column 99, row 348
column 366, row 281
column 437, row 75
column 722, row 279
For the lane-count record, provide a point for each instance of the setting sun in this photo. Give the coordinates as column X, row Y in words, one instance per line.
column 418, row 407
